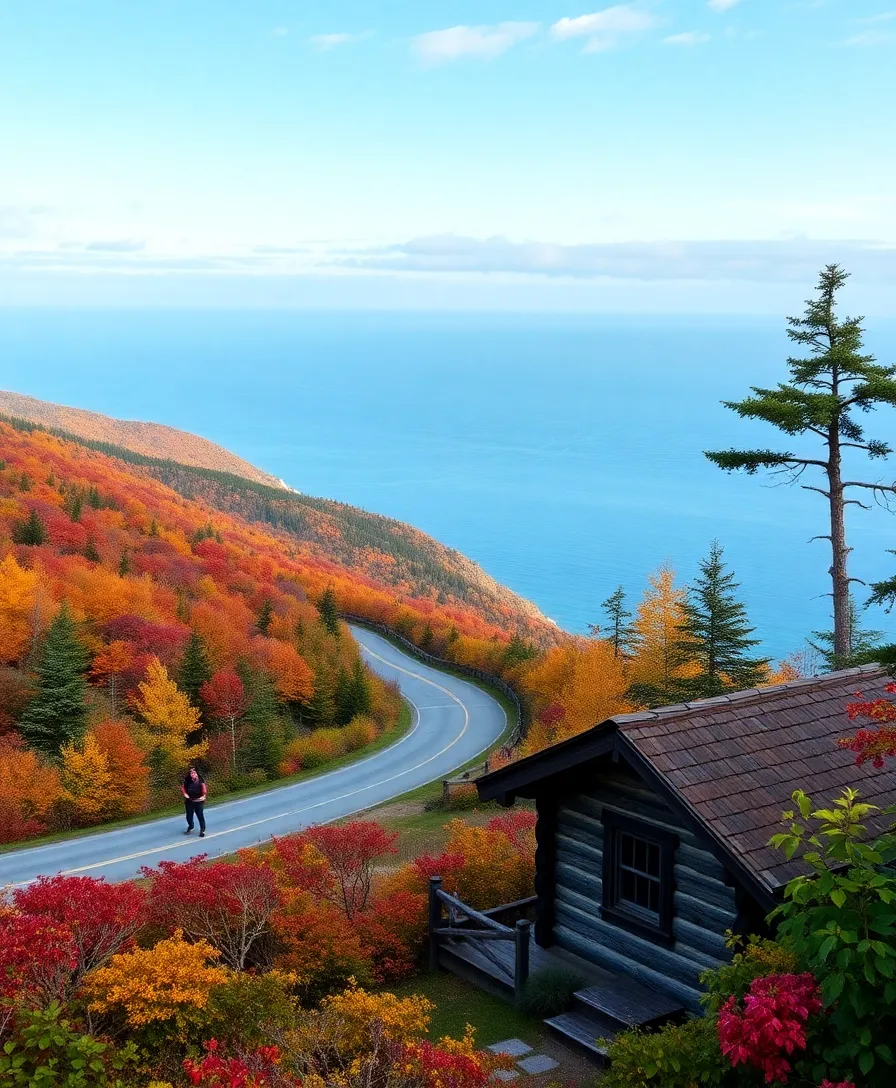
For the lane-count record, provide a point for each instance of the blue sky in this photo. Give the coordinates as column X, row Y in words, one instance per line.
column 661, row 154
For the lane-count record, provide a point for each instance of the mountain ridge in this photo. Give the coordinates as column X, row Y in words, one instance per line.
column 141, row 436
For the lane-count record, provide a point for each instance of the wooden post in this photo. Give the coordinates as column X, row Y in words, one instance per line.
column 446, row 792
column 523, row 934
column 435, row 920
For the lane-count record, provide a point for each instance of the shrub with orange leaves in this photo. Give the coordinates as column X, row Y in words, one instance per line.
column 167, row 986
column 28, row 790
column 320, row 946
column 498, row 865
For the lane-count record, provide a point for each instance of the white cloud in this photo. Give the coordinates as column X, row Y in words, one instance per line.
column 280, row 31
column 872, row 37
column 484, row 42
column 689, row 37
column 323, row 42
column 605, row 29
column 722, row 5
column 775, row 260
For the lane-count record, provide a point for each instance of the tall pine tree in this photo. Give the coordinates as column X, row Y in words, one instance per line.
column 864, row 642
column 714, row 635
column 328, row 608
column 619, row 631
column 194, row 670
column 829, row 393
column 57, row 715
column 265, row 615
column 263, row 749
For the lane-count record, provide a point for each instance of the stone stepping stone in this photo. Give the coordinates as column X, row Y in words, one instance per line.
column 516, row 1048
column 538, row 1063
column 505, row 1074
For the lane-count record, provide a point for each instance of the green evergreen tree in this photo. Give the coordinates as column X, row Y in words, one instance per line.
column 90, row 551
column 57, row 714
column 24, row 482
column 827, row 395
column 619, row 632
column 352, row 696
column 154, row 528
column 518, row 652
column 263, row 750
column 194, row 668
column 74, row 504
column 426, row 638
column 328, row 608
column 31, row 531
column 265, row 615
column 124, row 565
column 715, row 634
column 864, row 642
column 321, row 710
column 93, row 498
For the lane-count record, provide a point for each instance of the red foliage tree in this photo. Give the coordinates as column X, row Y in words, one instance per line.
column 351, row 849
column 393, row 930
column 874, row 744
column 101, row 918
column 225, row 697
column 228, row 905
column 772, row 1024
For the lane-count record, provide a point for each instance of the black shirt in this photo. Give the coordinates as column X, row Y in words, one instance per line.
column 193, row 787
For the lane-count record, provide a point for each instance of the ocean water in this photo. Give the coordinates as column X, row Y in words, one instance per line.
column 563, row 453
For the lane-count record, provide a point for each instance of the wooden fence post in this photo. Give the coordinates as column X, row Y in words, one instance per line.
column 435, row 920
column 523, row 936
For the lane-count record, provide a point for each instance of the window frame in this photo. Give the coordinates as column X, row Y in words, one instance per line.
column 613, row 909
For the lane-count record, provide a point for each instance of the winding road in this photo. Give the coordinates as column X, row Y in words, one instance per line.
column 454, row 721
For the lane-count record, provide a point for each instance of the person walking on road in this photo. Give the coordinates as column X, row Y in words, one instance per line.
column 195, row 792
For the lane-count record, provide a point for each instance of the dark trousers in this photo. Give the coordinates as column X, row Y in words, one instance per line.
column 197, row 809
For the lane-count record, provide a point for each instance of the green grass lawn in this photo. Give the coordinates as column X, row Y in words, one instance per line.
column 458, row 1003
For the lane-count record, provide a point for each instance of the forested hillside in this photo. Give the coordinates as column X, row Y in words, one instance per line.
column 140, row 629
column 388, row 551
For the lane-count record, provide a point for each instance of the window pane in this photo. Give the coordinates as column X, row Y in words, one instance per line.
column 627, row 886
column 641, row 855
column 627, row 851
column 653, row 859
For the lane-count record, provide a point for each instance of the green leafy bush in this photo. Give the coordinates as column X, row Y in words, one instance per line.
column 550, row 991
column 756, row 957
column 840, row 921
column 677, row 1056
column 44, row 1050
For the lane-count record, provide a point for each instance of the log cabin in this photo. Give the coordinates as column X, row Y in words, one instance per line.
column 653, row 827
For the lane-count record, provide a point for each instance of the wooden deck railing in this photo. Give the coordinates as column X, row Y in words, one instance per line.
column 459, row 926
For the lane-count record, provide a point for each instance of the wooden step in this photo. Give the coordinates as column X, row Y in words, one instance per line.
column 626, row 1003
column 582, row 1033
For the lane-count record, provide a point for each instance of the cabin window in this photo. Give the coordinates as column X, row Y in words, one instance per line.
column 638, row 875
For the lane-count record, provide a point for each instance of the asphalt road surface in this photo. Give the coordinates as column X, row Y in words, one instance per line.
column 454, row 721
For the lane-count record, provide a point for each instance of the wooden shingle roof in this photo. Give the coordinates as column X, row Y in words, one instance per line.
column 737, row 760
column 734, row 762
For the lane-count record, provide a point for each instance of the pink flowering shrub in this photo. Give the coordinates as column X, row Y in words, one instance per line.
column 772, row 1025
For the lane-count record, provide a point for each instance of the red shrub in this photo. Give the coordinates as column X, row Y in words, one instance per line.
column 351, row 850
column 227, row 904
column 102, row 918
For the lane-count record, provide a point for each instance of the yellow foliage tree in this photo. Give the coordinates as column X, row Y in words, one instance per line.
column 167, row 720
column 582, row 677
column 656, row 664
column 87, row 780
column 25, row 606
column 170, row 983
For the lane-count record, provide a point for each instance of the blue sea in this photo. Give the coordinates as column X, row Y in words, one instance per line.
column 562, row 453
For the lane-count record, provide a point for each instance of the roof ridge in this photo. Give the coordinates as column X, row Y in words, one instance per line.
column 681, row 709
